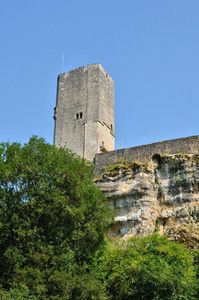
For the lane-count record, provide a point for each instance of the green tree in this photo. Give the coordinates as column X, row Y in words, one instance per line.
column 148, row 268
column 52, row 220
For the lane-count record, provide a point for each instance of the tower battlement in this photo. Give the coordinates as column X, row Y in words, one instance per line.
column 79, row 71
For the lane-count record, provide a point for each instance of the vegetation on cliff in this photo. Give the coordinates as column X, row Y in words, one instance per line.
column 150, row 267
column 53, row 221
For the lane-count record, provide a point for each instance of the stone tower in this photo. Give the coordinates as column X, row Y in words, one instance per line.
column 84, row 112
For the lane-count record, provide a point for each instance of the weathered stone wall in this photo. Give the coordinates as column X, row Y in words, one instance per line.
column 100, row 98
column 89, row 92
column 71, row 100
column 144, row 153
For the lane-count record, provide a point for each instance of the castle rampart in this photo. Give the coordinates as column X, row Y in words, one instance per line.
column 145, row 152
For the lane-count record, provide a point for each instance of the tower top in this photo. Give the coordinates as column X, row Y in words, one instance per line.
column 79, row 71
column 84, row 112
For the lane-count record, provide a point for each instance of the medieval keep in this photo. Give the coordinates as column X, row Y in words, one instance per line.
column 84, row 112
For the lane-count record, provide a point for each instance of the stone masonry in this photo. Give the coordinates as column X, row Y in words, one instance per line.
column 145, row 153
column 84, row 112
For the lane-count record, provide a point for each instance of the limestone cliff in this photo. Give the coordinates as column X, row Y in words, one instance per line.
column 161, row 195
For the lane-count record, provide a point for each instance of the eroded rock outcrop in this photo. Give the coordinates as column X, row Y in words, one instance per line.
column 162, row 195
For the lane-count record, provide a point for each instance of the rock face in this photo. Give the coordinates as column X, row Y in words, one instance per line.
column 161, row 195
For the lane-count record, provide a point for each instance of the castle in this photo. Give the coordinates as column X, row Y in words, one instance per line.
column 84, row 120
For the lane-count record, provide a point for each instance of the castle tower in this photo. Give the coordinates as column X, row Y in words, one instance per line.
column 84, row 112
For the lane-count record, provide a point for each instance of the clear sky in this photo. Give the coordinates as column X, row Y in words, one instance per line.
column 149, row 47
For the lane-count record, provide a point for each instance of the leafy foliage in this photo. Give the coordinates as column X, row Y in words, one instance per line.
column 52, row 219
column 148, row 268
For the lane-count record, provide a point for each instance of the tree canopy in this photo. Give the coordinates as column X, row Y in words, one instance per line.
column 149, row 268
column 52, row 218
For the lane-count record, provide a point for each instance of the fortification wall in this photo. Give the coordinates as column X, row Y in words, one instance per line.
column 145, row 152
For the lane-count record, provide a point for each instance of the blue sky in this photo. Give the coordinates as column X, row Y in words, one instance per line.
column 149, row 47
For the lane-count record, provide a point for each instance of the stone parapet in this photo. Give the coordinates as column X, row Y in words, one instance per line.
column 145, row 152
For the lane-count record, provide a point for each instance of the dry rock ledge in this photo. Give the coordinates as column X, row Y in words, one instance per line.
column 161, row 195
